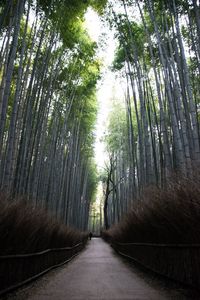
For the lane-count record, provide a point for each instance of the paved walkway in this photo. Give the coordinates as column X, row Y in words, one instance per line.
column 97, row 273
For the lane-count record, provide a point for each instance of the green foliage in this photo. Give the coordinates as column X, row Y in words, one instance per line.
column 116, row 139
column 119, row 59
column 92, row 180
column 136, row 39
column 98, row 5
column 67, row 17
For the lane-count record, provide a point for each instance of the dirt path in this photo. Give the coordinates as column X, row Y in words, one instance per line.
column 97, row 273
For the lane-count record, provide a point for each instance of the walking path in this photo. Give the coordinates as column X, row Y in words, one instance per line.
column 97, row 273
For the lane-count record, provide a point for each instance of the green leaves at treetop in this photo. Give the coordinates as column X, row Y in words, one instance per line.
column 68, row 16
column 119, row 59
column 136, row 40
column 117, row 129
column 75, row 7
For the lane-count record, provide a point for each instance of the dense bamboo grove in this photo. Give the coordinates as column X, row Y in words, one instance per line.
column 48, row 74
column 156, row 133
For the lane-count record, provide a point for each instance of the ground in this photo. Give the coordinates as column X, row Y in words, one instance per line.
column 99, row 273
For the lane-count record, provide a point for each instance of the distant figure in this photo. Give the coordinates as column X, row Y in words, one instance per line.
column 90, row 235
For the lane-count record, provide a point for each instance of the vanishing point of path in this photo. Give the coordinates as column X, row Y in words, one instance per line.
column 97, row 273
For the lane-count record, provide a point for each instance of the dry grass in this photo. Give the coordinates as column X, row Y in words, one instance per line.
column 164, row 216
column 170, row 215
column 24, row 229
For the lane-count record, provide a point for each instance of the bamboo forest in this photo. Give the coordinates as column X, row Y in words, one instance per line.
column 100, row 137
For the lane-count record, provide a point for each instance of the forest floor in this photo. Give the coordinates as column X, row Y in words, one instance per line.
column 99, row 273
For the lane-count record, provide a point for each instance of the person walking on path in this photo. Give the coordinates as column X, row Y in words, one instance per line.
column 90, row 235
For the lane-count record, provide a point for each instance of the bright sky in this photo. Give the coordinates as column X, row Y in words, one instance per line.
column 108, row 85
